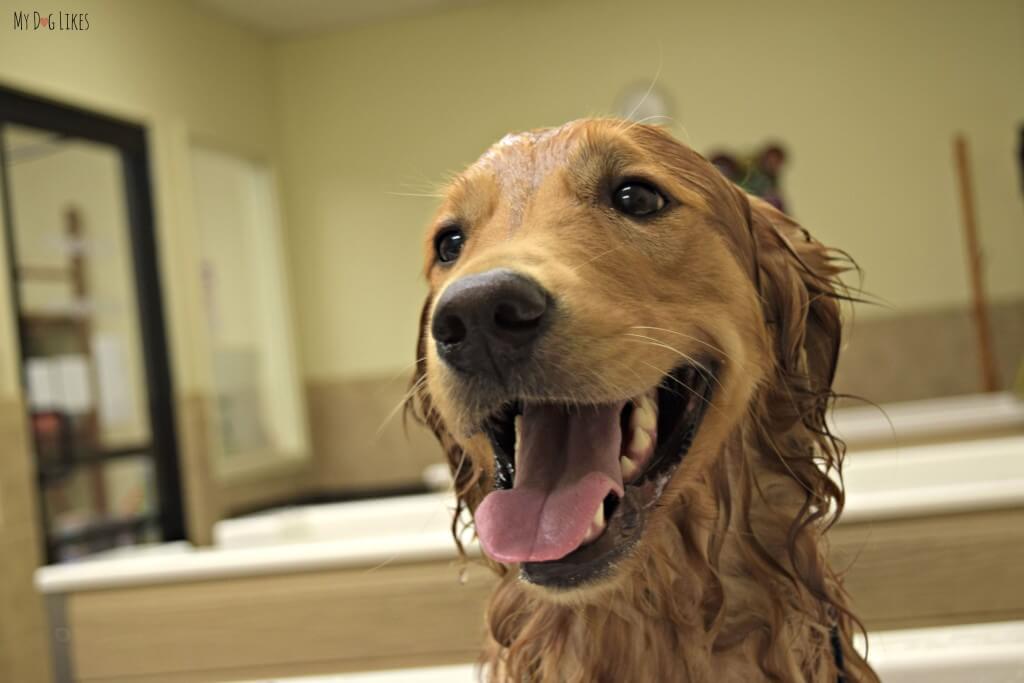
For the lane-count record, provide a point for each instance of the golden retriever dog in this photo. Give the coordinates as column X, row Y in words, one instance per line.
column 628, row 362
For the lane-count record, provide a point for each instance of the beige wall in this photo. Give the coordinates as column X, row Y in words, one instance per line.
column 866, row 96
column 24, row 650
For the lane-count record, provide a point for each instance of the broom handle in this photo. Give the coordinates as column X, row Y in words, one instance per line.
column 986, row 356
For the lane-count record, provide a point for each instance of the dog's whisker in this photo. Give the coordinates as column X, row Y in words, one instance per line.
column 650, row 89
column 690, row 359
column 686, row 336
column 596, row 258
column 601, row 387
column 422, row 183
column 399, row 374
column 690, row 389
column 652, row 117
column 420, row 195
column 399, row 406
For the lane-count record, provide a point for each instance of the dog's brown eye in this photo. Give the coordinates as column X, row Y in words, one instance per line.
column 448, row 245
column 638, row 199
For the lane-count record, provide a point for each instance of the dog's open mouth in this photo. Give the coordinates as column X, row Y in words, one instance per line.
column 574, row 483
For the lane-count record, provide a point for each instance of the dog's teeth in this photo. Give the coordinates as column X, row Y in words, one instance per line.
column 640, row 444
column 596, row 524
column 629, row 468
column 518, row 424
column 596, row 527
column 644, row 415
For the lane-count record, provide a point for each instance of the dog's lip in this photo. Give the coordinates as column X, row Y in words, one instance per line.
column 594, row 560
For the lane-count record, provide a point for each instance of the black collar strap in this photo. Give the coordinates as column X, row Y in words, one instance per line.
column 837, row 653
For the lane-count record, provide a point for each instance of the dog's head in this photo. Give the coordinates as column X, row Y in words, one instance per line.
column 605, row 312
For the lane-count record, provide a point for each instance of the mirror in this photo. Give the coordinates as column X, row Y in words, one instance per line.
column 258, row 413
column 90, row 400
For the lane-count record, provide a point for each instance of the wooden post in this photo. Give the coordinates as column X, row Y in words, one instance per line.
column 983, row 329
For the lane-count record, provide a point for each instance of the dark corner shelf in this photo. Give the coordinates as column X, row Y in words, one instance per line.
column 98, row 531
column 56, row 472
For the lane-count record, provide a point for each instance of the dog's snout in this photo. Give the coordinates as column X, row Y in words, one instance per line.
column 485, row 321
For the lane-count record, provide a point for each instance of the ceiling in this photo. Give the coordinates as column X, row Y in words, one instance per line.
column 294, row 17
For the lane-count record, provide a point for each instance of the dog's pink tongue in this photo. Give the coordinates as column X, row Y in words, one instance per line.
column 567, row 461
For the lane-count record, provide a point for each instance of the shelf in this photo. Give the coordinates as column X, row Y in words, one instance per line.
column 101, row 530
column 55, row 472
column 59, row 273
column 56, row 317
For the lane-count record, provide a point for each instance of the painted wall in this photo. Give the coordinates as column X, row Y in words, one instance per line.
column 866, row 96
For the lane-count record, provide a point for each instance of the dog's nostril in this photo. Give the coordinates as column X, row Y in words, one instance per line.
column 450, row 329
column 517, row 316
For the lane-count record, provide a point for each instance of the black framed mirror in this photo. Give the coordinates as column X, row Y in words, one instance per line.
column 86, row 292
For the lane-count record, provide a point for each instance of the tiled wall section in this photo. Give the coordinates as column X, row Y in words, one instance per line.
column 358, row 437
column 209, row 498
column 925, row 355
column 24, row 653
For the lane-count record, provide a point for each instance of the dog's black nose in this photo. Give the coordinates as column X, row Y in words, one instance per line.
column 486, row 322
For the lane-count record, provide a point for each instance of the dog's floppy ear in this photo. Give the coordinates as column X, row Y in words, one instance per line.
column 797, row 278
column 468, row 487
column 798, row 281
